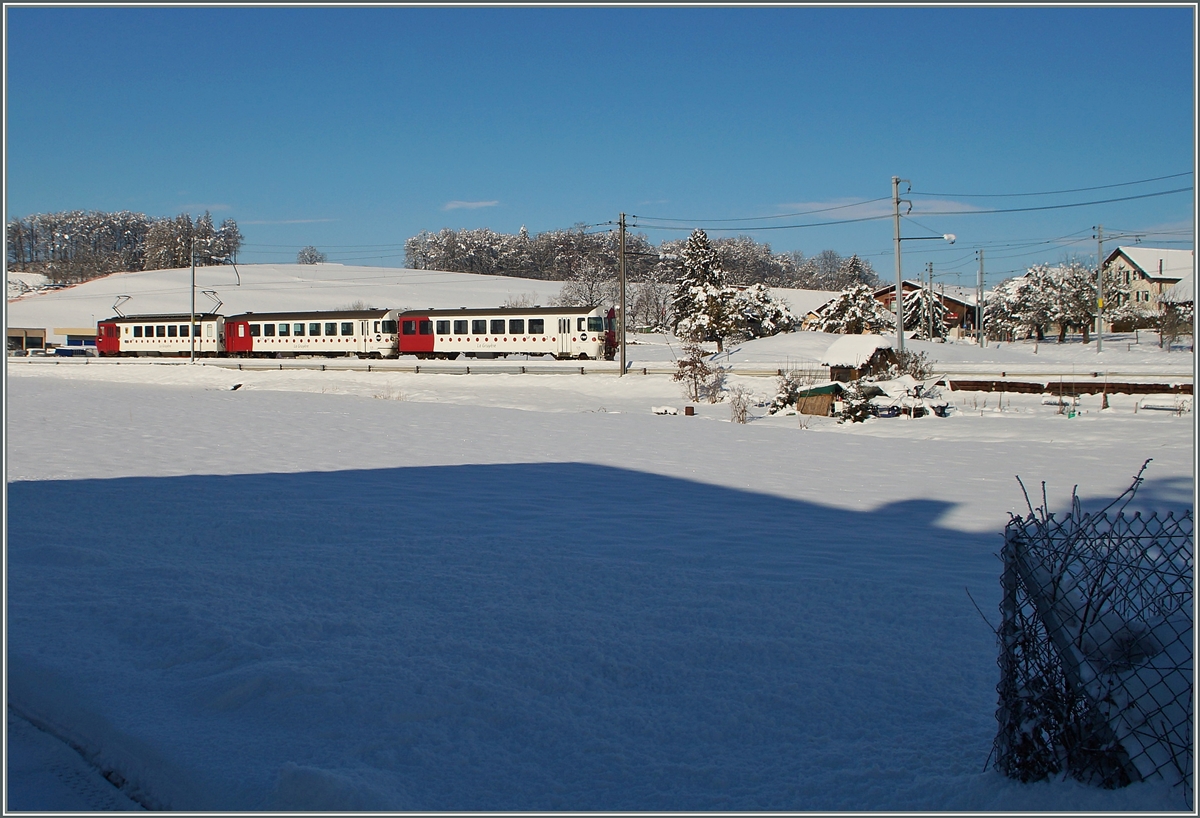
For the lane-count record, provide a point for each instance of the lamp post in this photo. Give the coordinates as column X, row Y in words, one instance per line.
column 949, row 237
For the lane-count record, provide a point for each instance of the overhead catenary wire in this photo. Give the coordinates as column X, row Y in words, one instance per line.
column 763, row 218
column 1050, row 192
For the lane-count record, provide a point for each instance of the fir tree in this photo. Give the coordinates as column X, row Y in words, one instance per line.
column 855, row 311
column 701, row 301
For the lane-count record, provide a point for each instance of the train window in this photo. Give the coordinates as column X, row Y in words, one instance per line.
column 595, row 323
column 579, row 325
column 285, row 330
column 314, row 330
column 478, row 326
column 347, row 328
column 171, row 331
column 137, row 332
column 255, row 330
column 298, row 330
column 183, row 330
column 376, row 327
column 160, row 331
column 389, row 327
column 460, row 327
column 241, row 330
column 537, row 326
column 497, row 326
column 330, row 328
column 208, row 330
column 408, row 327
column 516, row 326
column 269, row 330
column 443, row 327
column 426, row 328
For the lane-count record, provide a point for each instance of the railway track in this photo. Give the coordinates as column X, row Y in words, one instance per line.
column 964, row 372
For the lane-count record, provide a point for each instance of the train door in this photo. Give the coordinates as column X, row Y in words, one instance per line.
column 364, row 340
column 564, row 336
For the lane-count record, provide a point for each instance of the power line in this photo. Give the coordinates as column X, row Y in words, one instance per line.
column 767, row 227
column 763, row 218
column 1052, row 192
column 1054, row 207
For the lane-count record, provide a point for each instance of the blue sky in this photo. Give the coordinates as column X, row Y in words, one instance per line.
column 354, row 129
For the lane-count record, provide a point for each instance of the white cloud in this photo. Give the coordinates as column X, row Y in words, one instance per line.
column 456, row 205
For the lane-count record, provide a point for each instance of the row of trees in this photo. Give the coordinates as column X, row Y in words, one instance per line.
column 562, row 255
column 1059, row 299
column 79, row 245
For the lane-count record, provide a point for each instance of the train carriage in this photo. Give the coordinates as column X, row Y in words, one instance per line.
column 161, row 335
column 564, row 332
column 330, row 333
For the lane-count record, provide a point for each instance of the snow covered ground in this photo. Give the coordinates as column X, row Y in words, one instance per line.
column 385, row 590
column 350, row 590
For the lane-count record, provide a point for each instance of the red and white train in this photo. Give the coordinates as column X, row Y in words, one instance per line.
column 564, row 332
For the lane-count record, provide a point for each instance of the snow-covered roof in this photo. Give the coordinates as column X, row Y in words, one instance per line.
column 964, row 295
column 1182, row 292
column 854, row 350
column 1157, row 264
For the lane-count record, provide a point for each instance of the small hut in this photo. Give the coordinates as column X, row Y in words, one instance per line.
column 818, row 399
column 852, row 356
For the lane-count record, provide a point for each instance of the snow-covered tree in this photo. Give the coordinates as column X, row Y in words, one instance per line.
column 311, row 255
column 650, row 303
column 702, row 302
column 590, row 286
column 758, row 314
column 227, row 242
column 855, row 311
column 925, row 314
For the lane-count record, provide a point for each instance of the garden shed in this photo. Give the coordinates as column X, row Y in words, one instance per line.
column 852, row 356
column 818, row 399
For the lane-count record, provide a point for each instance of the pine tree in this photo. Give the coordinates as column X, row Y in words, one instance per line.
column 701, row 301
column 855, row 311
column 925, row 314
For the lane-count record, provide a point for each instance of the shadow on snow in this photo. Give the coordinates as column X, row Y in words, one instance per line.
column 531, row 636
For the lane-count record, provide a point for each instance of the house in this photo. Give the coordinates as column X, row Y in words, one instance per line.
column 958, row 301
column 1149, row 271
column 852, row 356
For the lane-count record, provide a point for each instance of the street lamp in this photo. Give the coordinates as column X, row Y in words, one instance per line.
column 949, row 237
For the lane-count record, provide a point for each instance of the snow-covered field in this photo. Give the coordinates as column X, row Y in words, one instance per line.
column 387, row 590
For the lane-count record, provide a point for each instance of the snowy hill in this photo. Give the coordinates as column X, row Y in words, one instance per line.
column 271, row 287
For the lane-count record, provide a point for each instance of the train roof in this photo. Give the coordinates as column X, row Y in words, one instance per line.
column 174, row 316
column 315, row 314
column 444, row 313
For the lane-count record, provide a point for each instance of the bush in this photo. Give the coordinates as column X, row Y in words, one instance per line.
column 698, row 378
column 856, row 407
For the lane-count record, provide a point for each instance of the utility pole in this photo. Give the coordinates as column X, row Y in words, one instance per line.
column 899, row 283
column 192, row 326
column 929, row 304
column 621, row 314
column 1099, row 288
column 979, row 301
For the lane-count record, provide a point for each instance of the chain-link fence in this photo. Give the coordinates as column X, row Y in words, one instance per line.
column 1096, row 647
